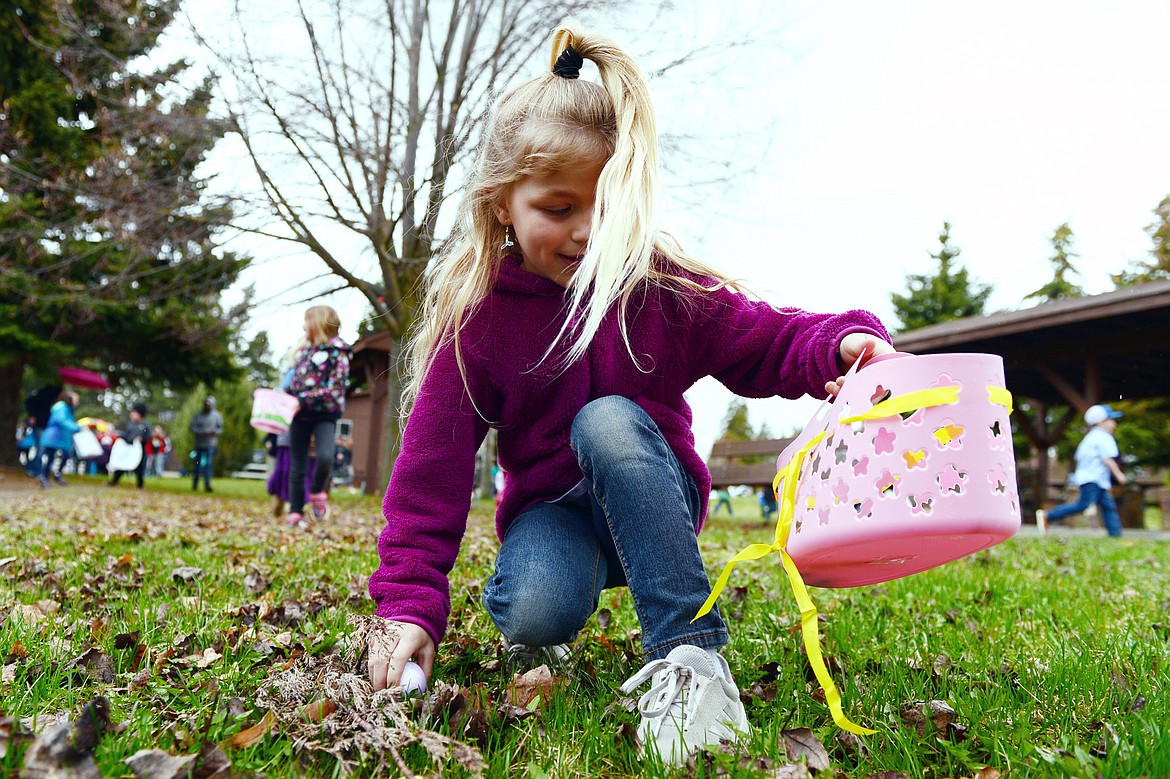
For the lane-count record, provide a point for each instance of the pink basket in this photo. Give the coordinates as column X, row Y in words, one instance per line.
column 892, row 494
column 273, row 410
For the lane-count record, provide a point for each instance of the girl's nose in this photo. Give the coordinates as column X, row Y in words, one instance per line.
column 581, row 226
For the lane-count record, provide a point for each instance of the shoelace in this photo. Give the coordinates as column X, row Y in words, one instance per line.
column 665, row 693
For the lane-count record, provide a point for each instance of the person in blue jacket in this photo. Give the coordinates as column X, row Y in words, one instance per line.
column 58, row 437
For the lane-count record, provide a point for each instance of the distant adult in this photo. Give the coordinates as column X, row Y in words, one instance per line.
column 39, row 404
column 320, row 377
column 206, row 426
column 768, row 506
column 137, row 431
column 1096, row 470
column 58, row 437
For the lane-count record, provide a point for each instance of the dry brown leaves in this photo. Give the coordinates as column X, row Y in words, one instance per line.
column 326, row 704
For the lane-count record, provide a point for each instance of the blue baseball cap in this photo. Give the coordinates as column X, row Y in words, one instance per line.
column 1095, row 415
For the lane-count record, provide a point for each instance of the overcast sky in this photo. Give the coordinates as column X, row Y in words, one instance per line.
column 866, row 125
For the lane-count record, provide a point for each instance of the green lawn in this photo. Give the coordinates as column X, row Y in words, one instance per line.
column 200, row 619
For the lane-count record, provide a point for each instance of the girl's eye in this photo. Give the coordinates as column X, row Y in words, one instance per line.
column 562, row 211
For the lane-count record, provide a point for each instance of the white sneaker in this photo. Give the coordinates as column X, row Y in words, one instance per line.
column 524, row 657
column 691, row 703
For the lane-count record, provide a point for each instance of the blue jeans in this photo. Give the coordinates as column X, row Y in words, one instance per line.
column 1091, row 493
column 203, row 459
column 49, row 465
column 634, row 525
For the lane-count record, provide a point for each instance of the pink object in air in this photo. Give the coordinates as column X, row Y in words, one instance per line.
column 882, row 498
column 273, row 410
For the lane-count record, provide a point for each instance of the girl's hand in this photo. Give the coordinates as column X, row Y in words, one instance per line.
column 853, row 346
column 391, row 648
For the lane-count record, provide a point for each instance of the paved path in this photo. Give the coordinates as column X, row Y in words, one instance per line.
column 1086, row 532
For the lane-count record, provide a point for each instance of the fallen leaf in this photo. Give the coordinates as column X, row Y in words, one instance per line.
column 513, row 714
column 66, row 750
column 801, row 744
column 126, row 640
column 604, row 616
column 528, row 686
column 852, row 744
column 207, row 659
column 28, row 614
column 157, row 764
column 187, row 573
column 12, row 732
column 789, row 771
column 939, row 713
column 254, row 583
column 987, row 772
column 319, row 710
column 96, row 665
column 212, row 764
column 246, row 738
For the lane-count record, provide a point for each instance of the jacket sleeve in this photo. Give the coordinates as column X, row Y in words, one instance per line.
column 757, row 350
column 62, row 416
column 428, row 499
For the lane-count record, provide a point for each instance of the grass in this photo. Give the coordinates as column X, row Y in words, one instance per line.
column 1053, row 653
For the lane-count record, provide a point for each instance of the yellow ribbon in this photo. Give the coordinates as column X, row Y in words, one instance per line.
column 786, row 500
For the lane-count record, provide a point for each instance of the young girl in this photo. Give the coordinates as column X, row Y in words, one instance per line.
column 58, row 437
column 558, row 315
column 277, row 445
column 319, row 380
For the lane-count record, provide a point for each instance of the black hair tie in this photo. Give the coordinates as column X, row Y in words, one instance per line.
column 568, row 65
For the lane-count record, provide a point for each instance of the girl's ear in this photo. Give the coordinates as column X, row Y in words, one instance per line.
column 501, row 210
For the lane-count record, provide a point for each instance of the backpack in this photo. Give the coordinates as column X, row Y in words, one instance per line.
column 320, row 377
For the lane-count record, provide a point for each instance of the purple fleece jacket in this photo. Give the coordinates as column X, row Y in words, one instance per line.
column 679, row 336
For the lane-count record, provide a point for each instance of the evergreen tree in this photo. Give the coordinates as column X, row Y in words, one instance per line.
column 107, row 251
column 1158, row 265
column 1061, row 285
column 947, row 295
column 736, row 426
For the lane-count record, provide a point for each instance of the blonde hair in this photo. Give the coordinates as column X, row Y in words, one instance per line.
column 322, row 325
column 548, row 124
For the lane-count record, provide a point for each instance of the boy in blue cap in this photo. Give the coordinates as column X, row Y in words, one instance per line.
column 1097, row 468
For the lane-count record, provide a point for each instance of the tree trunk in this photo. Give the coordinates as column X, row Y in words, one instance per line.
column 11, row 412
column 392, row 422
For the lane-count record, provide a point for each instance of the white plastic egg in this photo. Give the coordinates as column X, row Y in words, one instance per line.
column 414, row 681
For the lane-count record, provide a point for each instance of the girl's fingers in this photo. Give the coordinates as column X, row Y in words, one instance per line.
column 378, row 666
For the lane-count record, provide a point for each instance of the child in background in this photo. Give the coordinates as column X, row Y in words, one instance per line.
column 136, row 430
column 319, row 380
column 559, row 315
column 157, row 449
column 58, row 437
column 277, row 445
column 1097, row 468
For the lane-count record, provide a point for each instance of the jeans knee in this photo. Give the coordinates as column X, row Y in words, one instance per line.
column 610, row 422
column 533, row 615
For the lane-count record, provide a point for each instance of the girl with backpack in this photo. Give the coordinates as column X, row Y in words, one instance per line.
column 320, row 377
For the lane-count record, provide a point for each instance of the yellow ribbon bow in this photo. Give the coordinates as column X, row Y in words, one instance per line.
column 785, row 486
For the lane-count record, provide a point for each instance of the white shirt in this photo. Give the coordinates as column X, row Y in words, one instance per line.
column 1094, row 449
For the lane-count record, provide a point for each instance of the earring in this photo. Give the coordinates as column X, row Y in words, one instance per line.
column 507, row 244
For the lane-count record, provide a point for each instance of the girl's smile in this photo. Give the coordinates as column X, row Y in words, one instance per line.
column 551, row 216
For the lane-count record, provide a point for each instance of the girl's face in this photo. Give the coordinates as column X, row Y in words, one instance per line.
column 551, row 216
